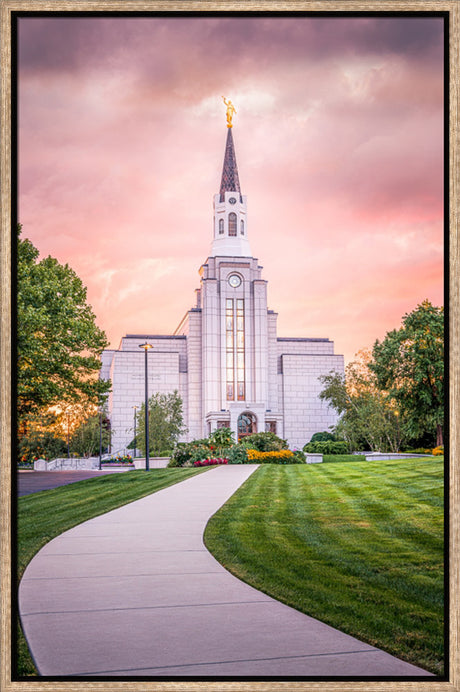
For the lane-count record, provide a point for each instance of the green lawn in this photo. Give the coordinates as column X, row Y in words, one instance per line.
column 357, row 545
column 44, row 515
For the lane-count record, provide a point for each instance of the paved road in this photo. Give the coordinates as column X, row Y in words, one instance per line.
column 135, row 593
column 33, row 481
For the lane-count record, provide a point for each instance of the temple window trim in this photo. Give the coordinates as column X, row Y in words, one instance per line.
column 232, row 221
column 235, row 355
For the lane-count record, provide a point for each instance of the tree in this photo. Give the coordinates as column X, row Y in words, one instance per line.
column 324, row 436
column 165, row 423
column 86, row 438
column 43, row 438
column 369, row 418
column 58, row 341
column 409, row 365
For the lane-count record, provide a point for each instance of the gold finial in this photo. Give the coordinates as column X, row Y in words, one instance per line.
column 230, row 110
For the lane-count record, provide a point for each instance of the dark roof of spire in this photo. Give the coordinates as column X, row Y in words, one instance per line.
column 230, row 181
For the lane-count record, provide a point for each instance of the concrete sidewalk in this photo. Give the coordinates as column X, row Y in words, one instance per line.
column 135, row 593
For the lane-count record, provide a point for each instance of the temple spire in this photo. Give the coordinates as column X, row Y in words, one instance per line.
column 230, row 236
column 230, row 181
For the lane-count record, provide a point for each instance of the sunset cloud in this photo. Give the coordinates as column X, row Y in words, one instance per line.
column 339, row 143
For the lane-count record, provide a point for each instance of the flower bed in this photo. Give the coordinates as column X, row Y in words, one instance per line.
column 115, row 464
column 282, row 456
column 210, row 462
column 25, row 463
column 118, row 461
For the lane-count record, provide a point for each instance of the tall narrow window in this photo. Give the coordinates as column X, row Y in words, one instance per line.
column 229, row 349
column 232, row 223
column 221, row 226
column 242, row 227
column 234, row 349
column 240, row 349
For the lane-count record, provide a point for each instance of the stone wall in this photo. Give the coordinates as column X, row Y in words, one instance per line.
column 65, row 464
column 167, row 366
column 304, row 413
column 313, row 458
column 388, row 456
column 154, row 463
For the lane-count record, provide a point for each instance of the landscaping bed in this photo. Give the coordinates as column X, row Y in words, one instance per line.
column 110, row 464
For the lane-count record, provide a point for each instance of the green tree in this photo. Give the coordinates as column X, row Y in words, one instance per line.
column 85, row 440
column 43, row 437
column 409, row 365
column 58, row 341
column 368, row 417
column 324, row 436
column 166, row 423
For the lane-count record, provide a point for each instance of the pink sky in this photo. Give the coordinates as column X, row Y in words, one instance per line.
column 338, row 138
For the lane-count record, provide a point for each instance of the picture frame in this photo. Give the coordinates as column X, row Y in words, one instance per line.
column 9, row 8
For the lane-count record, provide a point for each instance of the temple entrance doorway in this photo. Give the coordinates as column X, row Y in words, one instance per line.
column 247, row 425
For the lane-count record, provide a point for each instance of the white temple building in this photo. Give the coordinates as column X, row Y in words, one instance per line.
column 225, row 358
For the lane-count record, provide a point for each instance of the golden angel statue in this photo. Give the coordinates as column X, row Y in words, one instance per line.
column 230, row 110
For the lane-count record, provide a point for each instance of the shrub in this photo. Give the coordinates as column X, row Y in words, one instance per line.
column 200, row 452
column 221, row 439
column 323, row 437
column 418, row 450
column 180, row 455
column 300, row 456
column 327, row 447
column 438, row 451
column 282, row 456
column 264, row 442
column 210, row 462
column 342, row 458
column 238, row 454
column 189, row 451
column 41, row 440
column 26, row 463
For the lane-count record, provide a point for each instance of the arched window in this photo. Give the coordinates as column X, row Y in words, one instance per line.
column 232, row 223
column 242, row 227
column 221, row 226
column 247, row 424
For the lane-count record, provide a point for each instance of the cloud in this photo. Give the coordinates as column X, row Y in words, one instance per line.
column 338, row 137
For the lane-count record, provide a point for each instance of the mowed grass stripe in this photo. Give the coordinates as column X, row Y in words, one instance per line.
column 356, row 545
column 354, row 513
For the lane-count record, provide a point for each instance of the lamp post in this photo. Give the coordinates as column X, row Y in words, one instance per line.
column 135, row 434
column 146, row 347
column 100, row 439
column 68, row 434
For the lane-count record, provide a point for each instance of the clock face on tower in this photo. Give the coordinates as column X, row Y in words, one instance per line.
column 234, row 280
column 232, row 200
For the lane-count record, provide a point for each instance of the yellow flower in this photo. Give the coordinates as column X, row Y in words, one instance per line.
column 282, row 454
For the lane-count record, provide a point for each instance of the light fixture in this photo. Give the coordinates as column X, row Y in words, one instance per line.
column 146, row 347
column 135, row 433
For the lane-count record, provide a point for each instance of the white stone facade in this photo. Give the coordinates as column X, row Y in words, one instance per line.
column 225, row 358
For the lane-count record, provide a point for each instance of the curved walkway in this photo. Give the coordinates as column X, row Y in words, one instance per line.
column 135, row 593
